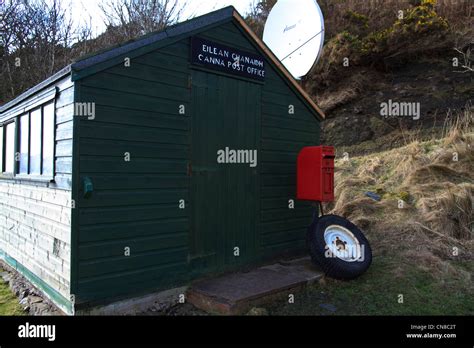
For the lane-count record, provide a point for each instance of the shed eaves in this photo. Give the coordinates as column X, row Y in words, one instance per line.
column 52, row 79
column 175, row 30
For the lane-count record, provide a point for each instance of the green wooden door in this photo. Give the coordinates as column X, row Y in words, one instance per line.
column 226, row 114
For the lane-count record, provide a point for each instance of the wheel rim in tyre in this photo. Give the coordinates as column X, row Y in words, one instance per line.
column 342, row 243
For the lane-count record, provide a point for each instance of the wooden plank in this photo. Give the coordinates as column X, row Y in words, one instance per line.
column 269, row 215
column 135, row 86
column 276, row 249
column 116, row 265
column 139, row 281
column 64, row 148
column 102, row 164
column 278, row 156
column 64, row 165
column 54, row 213
column 280, row 96
column 272, row 108
column 277, row 191
column 134, row 197
column 290, row 122
column 132, row 117
column 152, row 73
column 62, row 181
column 90, row 216
column 65, row 113
column 136, row 245
column 290, row 145
column 64, row 131
column 139, row 181
column 114, row 148
column 288, row 236
column 283, row 203
column 278, row 180
column 163, row 61
column 65, row 97
column 288, row 134
column 117, row 230
column 178, row 49
column 284, row 225
column 135, row 102
column 106, row 131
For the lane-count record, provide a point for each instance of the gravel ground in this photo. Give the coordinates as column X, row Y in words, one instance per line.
column 30, row 299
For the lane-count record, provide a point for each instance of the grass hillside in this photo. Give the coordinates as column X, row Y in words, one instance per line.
column 421, row 231
column 427, row 195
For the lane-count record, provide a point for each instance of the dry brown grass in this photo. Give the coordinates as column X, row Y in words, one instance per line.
column 354, row 83
column 330, row 101
column 435, row 223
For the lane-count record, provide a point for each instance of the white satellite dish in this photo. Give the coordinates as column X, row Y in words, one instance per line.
column 295, row 33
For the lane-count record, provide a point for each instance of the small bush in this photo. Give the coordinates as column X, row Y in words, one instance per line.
column 421, row 19
column 358, row 23
column 420, row 27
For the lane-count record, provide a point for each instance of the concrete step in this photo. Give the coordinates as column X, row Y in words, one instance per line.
column 237, row 293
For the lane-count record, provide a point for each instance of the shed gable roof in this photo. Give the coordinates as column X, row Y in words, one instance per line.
column 151, row 42
column 100, row 61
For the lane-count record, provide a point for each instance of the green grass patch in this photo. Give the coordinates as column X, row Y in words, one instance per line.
column 8, row 301
column 378, row 293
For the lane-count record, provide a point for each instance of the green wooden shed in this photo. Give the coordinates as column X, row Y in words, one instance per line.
column 169, row 158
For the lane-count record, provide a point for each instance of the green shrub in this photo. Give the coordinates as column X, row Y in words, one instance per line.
column 404, row 196
column 421, row 19
column 357, row 23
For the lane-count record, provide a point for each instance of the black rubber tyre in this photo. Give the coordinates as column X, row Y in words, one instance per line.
column 333, row 266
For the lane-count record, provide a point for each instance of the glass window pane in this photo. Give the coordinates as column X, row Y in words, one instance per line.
column 48, row 139
column 10, row 148
column 35, row 138
column 24, row 130
column 1, row 149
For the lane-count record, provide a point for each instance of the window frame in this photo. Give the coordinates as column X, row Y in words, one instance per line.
column 53, row 140
column 17, row 146
column 40, row 138
column 2, row 146
column 3, row 166
column 20, row 139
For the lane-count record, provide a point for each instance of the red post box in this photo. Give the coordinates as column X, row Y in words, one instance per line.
column 315, row 177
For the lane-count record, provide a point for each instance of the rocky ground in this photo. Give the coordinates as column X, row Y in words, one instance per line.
column 34, row 303
column 185, row 309
column 30, row 299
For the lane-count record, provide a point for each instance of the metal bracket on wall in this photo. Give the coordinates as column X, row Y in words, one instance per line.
column 190, row 169
column 88, row 187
